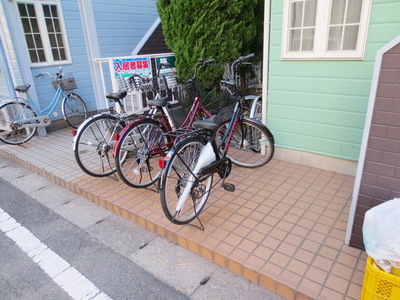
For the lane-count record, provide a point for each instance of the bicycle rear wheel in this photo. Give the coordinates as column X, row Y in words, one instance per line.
column 74, row 110
column 138, row 152
column 94, row 144
column 252, row 143
column 177, row 175
column 15, row 129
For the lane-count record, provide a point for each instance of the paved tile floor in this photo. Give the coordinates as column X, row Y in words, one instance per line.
column 283, row 227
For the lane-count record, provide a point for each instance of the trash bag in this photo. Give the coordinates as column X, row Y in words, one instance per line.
column 381, row 232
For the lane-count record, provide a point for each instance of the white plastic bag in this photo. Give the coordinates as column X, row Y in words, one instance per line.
column 381, row 231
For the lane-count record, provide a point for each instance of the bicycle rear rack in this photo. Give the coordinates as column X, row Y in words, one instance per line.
column 182, row 133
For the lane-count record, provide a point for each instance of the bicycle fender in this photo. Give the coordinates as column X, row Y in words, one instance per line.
column 253, row 106
column 81, row 127
column 262, row 125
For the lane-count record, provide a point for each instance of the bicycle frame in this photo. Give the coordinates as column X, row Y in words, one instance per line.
column 43, row 118
column 165, row 119
column 53, row 104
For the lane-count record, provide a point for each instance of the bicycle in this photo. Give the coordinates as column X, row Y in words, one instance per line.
column 94, row 141
column 140, row 140
column 200, row 151
column 20, row 117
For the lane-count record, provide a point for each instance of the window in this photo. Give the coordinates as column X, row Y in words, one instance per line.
column 44, row 32
column 325, row 29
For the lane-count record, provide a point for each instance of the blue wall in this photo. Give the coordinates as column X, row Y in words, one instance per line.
column 120, row 26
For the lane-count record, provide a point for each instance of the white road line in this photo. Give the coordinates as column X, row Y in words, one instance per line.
column 67, row 277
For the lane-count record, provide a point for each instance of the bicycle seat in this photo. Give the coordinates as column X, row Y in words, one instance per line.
column 117, row 96
column 22, row 88
column 209, row 124
column 158, row 102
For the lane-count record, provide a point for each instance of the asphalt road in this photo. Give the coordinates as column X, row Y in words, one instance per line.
column 57, row 245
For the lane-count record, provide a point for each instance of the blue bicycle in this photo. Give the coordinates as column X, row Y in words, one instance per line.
column 20, row 117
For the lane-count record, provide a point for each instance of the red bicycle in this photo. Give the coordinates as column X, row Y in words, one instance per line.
column 142, row 143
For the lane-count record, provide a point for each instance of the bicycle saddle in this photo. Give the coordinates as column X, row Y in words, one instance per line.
column 22, row 88
column 209, row 124
column 158, row 102
column 117, row 96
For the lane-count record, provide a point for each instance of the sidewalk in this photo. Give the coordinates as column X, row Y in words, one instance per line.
column 283, row 227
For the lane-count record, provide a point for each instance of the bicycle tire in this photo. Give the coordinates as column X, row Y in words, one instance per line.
column 94, row 144
column 74, row 110
column 10, row 114
column 140, row 145
column 175, row 177
column 246, row 146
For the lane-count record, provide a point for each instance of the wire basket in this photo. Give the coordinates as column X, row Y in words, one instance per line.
column 222, row 106
column 67, row 84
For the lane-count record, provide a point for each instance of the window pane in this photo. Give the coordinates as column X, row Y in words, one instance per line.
column 42, row 56
column 30, row 41
column 53, row 42
column 337, row 11
column 335, row 37
column 26, row 26
column 310, row 12
column 34, row 56
column 46, row 11
column 63, row 54
column 49, row 25
column 54, row 12
column 308, row 40
column 350, row 37
column 35, row 26
column 56, row 25
column 60, row 41
column 295, row 39
column 38, row 41
column 56, row 55
column 354, row 11
column 296, row 16
column 31, row 10
column 22, row 10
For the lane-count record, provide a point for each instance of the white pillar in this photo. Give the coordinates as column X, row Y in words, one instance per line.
column 267, row 7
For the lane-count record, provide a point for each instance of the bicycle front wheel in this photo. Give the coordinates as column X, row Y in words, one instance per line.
column 252, row 143
column 94, row 144
column 178, row 186
column 17, row 123
column 138, row 152
column 74, row 110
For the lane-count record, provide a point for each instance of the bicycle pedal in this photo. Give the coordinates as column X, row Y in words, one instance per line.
column 229, row 187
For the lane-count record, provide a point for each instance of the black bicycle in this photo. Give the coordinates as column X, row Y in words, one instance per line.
column 204, row 150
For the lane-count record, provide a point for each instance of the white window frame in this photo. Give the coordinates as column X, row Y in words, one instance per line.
column 321, row 35
column 38, row 4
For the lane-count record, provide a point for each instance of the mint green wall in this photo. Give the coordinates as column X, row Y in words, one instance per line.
column 319, row 106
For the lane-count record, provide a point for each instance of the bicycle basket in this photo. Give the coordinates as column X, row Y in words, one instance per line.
column 223, row 107
column 67, row 84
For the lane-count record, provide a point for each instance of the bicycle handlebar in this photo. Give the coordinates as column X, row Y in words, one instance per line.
column 239, row 61
column 246, row 57
column 58, row 75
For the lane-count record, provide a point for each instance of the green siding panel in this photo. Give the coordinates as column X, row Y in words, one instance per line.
column 319, row 106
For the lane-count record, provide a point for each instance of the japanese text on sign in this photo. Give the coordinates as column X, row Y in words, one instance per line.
column 127, row 66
